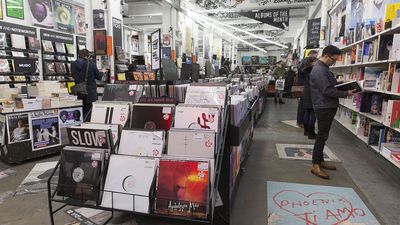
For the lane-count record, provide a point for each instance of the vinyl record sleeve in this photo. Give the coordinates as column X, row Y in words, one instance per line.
column 90, row 137
column 80, row 174
column 152, row 117
column 122, row 92
column 142, row 143
column 3, row 40
column 115, row 129
column 48, row 46
column 197, row 117
column 60, row 47
column 4, row 66
column 49, row 68
column 33, row 43
column 182, row 188
column 132, row 177
column 206, row 95
column 184, row 142
column 109, row 113
column 18, row 41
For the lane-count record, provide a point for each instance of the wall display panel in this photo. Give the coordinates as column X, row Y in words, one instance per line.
column 42, row 13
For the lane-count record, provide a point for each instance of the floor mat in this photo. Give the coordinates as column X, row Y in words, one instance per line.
column 302, row 152
column 296, row 204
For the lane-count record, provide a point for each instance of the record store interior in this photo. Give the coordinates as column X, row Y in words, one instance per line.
column 200, row 112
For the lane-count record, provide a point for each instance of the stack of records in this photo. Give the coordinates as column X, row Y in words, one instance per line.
column 110, row 113
column 18, row 41
column 48, row 46
column 128, row 183
column 142, row 143
column 197, row 117
column 183, row 188
column 80, row 173
column 122, row 92
column 152, row 116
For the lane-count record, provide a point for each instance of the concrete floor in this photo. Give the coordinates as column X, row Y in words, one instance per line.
column 375, row 180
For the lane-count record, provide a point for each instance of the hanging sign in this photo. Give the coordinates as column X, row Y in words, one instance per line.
column 313, row 33
column 276, row 3
column 117, row 31
column 56, row 36
column 275, row 17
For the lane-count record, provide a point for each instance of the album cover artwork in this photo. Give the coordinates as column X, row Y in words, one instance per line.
column 70, row 117
column 137, row 75
column 18, row 41
column 255, row 60
column 42, row 13
column 109, row 113
column 128, row 183
column 149, row 76
column 142, row 143
column 60, row 68
column 70, row 48
column 80, row 20
column 122, row 92
column 152, row 117
column 115, row 129
column 60, row 47
column 33, row 43
column 36, row 180
column 185, row 142
column 100, row 43
column 80, row 173
column 197, row 117
column 4, row 66
column 18, row 127
column 64, row 16
column 45, row 133
column 3, row 40
column 48, row 46
column 98, row 19
column 246, row 60
column 182, row 188
column 49, row 68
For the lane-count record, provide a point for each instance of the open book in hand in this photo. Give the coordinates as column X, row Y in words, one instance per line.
column 351, row 85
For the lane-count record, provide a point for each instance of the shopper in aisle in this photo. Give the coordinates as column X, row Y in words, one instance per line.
column 300, row 82
column 289, row 81
column 279, row 73
column 309, row 116
column 85, row 70
column 325, row 99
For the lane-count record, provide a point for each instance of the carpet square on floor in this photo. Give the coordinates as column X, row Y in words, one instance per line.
column 297, row 204
column 302, row 152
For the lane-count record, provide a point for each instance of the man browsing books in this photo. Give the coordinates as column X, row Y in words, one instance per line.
column 325, row 98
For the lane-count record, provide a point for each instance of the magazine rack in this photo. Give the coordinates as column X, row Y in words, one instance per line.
column 21, row 151
column 219, row 169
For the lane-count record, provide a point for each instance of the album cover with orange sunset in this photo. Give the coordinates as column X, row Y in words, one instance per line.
column 182, row 188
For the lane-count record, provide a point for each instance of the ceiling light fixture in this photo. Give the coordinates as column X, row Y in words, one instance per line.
column 240, row 30
column 226, row 32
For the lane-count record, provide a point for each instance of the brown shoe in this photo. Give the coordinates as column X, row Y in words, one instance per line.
column 317, row 171
column 328, row 166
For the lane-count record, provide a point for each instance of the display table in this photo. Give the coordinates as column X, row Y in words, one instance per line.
column 32, row 134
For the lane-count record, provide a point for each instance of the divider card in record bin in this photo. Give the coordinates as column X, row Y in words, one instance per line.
column 182, row 188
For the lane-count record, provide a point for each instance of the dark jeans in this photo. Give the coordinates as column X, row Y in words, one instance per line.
column 86, row 109
column 325, row 118
column 309, row 119
column 300, row 112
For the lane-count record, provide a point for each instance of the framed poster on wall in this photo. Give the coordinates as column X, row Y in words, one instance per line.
column 42, row 13
column 1, row 11
column 80, row 20
column 100, row 42
column 155, row 50
column 15, row 9
column 64, row 16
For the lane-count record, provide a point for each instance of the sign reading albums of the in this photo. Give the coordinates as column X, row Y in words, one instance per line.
column 10, row 28
column 275, row 17
column 56, row 36
column 117, row 31
column 313, row 33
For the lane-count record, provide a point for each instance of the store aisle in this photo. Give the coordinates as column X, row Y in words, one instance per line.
column 375, row 180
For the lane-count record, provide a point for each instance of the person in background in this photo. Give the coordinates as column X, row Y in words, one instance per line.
column 309, row 116
column 78, row 68
column 225, row 70
column 279, row 73
column 289, row 81
column 325, row 98
column 300, row 82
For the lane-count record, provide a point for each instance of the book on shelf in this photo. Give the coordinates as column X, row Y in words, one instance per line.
column 3, row 40
column 375, row 133
column 391, row 13
column 351, row 85
column 395, row 52
column 372, row 76
column 18, row 41
column 392, row 113
column 385, row 45
column 376, row 104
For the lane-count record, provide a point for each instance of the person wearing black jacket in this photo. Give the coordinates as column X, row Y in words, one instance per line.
column 78, row 69
column 325, row 98
column 309, row 116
